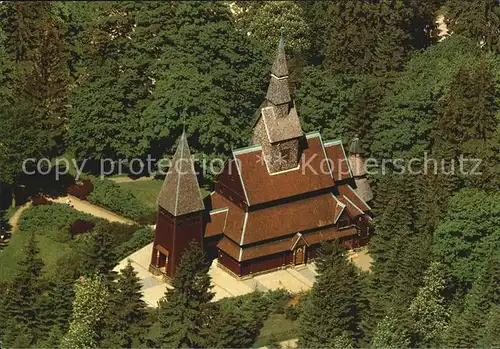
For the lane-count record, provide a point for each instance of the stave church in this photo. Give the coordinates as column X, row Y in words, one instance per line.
column 274, row 201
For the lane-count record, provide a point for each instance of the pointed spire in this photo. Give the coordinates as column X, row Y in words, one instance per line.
column 180, row 193
column 278, row 92
column 355, row 146
column 280, row 68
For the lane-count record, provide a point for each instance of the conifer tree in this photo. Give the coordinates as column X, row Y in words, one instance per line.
column 466, row 328
column 97, row 253
column 91, row 296
column 400, row 255
column 35, row 39
column 22, row 299
column 331, row 313
column 125, row 320
column 184, row 311
column 429, row 313
column 235, row 328
column 491, row 331
column 57, row 306
column 467, row 122
column 362, row 111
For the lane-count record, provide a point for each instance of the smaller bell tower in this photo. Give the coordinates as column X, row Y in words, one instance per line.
column 180, row 213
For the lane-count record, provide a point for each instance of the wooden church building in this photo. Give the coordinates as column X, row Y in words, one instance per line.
column 273, row 203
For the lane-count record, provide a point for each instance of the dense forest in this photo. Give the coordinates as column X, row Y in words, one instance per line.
column 122, row 79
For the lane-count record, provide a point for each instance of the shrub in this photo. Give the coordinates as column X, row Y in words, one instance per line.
column 53, row 221
column 110, row 195
column 80, row 226
column 81, row 189
column 40, row 200
column 119, row 232
column 139, row 239
column 262, row 303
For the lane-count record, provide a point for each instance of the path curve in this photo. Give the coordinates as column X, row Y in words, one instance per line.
column 94, row 210
column 130, row 180
column 13, row 221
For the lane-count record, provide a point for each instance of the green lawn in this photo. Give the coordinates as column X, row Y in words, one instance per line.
column 278, row 326
column 50, row 252
column 50, row 223
column 147, row 191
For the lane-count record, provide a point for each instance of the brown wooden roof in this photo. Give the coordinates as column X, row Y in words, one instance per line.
column 216, row 223
column 260, row 186
column 285, row 244
column 235, row 216
column 340, row 165
column 347, row 191
column 285, row 219
column 180, row 193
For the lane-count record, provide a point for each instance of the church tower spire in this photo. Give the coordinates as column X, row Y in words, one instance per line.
column 278, row 128
column 180, row 213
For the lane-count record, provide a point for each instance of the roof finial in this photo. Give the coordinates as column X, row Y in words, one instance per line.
column 281, row 45
column 183, row 125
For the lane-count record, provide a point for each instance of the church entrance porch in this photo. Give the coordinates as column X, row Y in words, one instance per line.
column 159, row 261
column 299, row 255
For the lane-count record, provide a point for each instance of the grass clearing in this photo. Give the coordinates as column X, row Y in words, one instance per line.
column 50, row 252
column 277, row 326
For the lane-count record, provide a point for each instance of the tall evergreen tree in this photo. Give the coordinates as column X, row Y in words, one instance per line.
column 22, row 299
column 362, row 111
column 56, row 305
column 467, row 121
column 400, row 255
column 184, row 312
column 125, row 321
column 98, row 254
column 466, row 328
column 369, row 36
column 491, row 331
column 35, row 39
column 331, row 313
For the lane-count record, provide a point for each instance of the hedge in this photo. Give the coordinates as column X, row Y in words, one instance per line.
column 52, row 221
column 108, row 194
column 139, row 239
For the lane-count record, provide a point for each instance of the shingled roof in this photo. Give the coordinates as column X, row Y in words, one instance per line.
column 281, row 129
column 180, row 193
column 278, row 91
column 279, row 68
